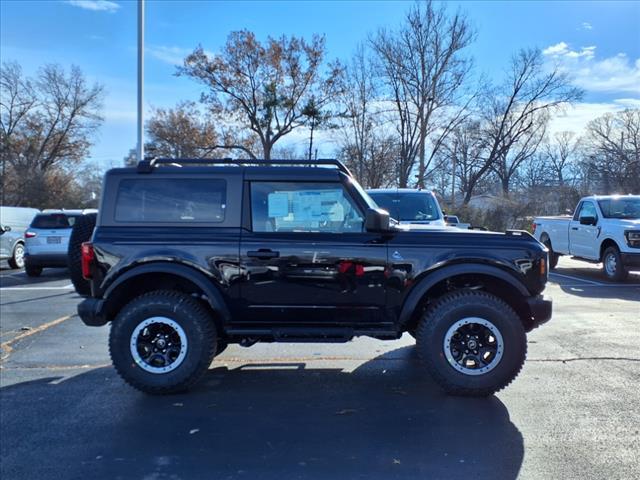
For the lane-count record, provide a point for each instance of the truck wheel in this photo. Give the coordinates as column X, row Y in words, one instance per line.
column 472, row 343
column 17, row 259
column 612, row 266
column 32, row 271
column 162, row 342
column 82, row 231
column 553, row 257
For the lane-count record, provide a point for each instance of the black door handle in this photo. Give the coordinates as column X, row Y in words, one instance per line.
column 574, row 228
column 263, row 254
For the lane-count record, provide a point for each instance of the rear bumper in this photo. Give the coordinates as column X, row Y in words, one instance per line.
column 46, row 259
column 541, row 308
column 91, row 312
column 630, row 260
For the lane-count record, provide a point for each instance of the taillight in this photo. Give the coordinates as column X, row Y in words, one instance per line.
column 30, row 234
column 88, row 257
column 533, row 227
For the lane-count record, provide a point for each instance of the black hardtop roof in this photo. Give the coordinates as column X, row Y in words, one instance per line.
column 250, row 172
column 274, row 169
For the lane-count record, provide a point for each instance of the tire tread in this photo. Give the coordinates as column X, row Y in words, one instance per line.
column 429, row 322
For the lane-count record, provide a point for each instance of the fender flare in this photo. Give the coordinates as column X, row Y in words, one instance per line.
column 214, row 297
column 417, row 292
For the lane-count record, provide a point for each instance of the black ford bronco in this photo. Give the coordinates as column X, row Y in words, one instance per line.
column 188, row 256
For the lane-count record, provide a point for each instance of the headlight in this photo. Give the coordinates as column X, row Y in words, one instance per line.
column 633, row 238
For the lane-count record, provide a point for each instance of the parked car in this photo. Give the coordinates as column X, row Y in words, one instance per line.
column 186, row 260
column 409, row 206
column 602, row 229
column 13, row 223
column 47, row 239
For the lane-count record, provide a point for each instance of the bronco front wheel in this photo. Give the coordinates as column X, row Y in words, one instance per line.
column 472, row 343
column 162, row 342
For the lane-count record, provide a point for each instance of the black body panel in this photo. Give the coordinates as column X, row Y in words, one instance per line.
column 284, row 283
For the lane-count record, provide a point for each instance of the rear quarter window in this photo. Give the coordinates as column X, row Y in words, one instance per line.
column 171, row 200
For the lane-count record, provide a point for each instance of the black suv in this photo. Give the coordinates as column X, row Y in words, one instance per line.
column 189, row 256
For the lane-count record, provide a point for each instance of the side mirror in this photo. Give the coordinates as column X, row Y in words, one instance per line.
column 5, row 228
column 376, row 220
column 588, row 221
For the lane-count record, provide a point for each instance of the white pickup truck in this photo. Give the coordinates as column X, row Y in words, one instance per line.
column 603, row 229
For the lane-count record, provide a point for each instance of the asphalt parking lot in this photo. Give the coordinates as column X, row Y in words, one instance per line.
column 364, row 409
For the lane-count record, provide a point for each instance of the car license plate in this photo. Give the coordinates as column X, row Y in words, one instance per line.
column 54, row 239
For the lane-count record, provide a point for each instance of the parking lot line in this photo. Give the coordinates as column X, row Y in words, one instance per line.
column 66, row 287
column 6, row 347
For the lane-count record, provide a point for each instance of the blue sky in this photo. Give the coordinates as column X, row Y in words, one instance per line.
column 598, row 42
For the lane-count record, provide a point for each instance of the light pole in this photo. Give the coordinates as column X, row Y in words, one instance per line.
column 140, row 144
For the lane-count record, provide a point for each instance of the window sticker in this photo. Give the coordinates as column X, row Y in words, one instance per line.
column 278, row 205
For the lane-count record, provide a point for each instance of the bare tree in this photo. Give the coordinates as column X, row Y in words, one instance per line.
column 612, row 144
column 513, row 110
column 423, row 67
column 509, row 160
column 561, row 152
column 47, row 127
column 263, row 89
column 461, row 155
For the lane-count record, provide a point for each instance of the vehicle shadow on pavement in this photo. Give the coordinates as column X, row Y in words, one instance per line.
column 259, row 421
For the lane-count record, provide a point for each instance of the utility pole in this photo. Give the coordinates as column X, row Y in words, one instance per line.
column 140, row 144
column 453, row 177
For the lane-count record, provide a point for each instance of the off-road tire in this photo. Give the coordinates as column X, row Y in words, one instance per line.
column 453, row 307
column 17, row 261
column 553, row 257
column 620, row 273
column 82, row 231
column 190, row 315
column 32, row 270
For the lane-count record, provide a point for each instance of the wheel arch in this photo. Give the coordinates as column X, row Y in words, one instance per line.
column 606, row 243
column 160, row 276
column 476, row 276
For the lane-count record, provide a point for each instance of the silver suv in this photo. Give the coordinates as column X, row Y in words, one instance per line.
column 47, row 239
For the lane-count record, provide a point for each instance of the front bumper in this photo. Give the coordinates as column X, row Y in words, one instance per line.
column 91, row 312
column 630, row 260
column 540, row 308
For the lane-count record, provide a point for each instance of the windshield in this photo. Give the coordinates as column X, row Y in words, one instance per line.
column 418, row 206
column 627, row 208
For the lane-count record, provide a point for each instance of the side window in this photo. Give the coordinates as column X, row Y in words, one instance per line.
column 303, row 207
column 175, row 200
column 588, row 210
column 576, row 215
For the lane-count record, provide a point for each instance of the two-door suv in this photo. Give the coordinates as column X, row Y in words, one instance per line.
column 189, row 256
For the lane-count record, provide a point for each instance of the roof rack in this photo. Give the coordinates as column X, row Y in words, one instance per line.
column 147, row 165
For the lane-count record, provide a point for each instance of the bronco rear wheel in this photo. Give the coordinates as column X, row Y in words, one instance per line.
column 472, row 343
column 162, row 342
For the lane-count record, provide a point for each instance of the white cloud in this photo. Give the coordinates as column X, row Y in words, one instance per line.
column 586, row 26
column 575, row 118
column 562, row 50
column 95, row 5
column 615, row 74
